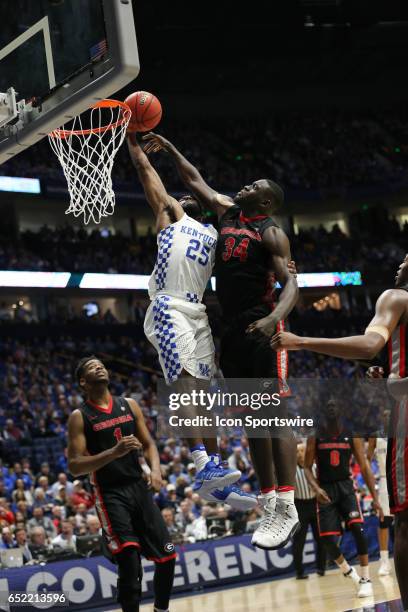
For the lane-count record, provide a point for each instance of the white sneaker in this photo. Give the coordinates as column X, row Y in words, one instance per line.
column 354, row 576
column 384, row 569
column 366, row 588
column 277, row 526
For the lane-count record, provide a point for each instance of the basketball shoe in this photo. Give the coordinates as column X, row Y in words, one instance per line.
column 279, row 523
column 214, row 476
column 233, row 496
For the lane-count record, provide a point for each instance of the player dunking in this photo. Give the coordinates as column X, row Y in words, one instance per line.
column 251, row 251
column 390, row 324
column 104, row 436
column 176, row 321
column 336, row 496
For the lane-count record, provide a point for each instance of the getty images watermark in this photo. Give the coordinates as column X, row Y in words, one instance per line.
column 225, row 401
column 267, row 408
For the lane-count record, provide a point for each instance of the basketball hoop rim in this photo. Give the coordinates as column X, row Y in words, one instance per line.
column 60, row 133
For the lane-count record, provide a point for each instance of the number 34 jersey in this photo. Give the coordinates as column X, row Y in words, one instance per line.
column 185, row 259
column 242, row 267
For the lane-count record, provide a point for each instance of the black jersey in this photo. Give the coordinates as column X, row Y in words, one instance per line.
column 242, row 268
column 103, row 428
column 333, row 457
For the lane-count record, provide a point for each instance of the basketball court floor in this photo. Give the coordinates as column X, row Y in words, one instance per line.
column 330, row 593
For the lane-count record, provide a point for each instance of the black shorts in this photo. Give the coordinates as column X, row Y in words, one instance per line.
column 129, row 517
column 344, row 506
column 245, row 355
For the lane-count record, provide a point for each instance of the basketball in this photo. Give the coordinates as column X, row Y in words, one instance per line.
column 146, row 111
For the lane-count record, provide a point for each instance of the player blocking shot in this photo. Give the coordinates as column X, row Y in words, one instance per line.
column 176, row 321
column 252, row 253
column 105, row 437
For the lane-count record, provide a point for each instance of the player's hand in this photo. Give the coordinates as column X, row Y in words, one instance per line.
column 155, row 143
column 322, row 497
column 267, row 326
column 378, row 509
column 285, row 340
column 125, row 446
column 375, row 372
column 292, row 268
column 155, row 480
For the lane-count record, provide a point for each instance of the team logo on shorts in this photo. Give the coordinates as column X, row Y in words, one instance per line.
column 169, row 547
column 204, row 369
column 354, row 514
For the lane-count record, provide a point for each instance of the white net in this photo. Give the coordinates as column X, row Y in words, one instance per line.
column 86, row 151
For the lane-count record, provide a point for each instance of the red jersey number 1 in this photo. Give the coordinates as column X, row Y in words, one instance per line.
column 117, row 432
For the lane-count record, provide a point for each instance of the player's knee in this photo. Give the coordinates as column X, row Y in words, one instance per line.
column 129, row 578
column 332, row 548
column 360, row 539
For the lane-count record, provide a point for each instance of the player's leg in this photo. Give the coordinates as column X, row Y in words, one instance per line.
column 171, row 326
column 129, row 579
column 329, row 522
column 351, row 512
column 156, row 544
column 121, row 543
column 230, row 494
column 320, row 548
column 276, row 531
column 300, row 537
column 384, row 529
column 401, row 554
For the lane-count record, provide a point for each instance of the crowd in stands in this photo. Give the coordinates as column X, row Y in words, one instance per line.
column 44, row 510
column 315, row 151
column 314, row 249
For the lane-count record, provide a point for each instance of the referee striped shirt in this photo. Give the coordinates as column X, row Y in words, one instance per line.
column 302, row 488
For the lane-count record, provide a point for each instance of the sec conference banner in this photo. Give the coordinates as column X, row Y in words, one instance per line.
column 92, row 582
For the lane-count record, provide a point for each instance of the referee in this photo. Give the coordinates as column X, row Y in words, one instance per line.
column 305, row 501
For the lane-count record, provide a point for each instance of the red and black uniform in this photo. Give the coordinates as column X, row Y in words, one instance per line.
column 245, row 290
column 125, row 506
column 397, row 452
column 333, row 456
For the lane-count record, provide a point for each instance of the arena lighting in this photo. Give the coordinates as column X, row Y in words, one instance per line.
column 18, row 184
column 140, row 282
column 52, row 280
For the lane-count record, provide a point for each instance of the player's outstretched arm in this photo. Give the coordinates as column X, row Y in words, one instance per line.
column 189, row 174
column 366, row 471
column 79, row 462
column 149, row 447
column 165, row 208
column 389, row 309
column 277, row 244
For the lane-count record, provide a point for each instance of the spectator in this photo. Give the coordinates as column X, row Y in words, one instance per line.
column 62, row 481
column 7, row 539
column 80, row 495
column 38, row 544
column 66, row 539
column 21, row 543
column 93, row 525
column 174, row 531
column 39, row 520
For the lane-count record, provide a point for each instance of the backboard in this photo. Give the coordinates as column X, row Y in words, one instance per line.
column 57, row 58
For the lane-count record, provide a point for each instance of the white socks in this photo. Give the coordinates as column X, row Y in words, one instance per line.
column 365, row 572
column 287, row 496
column 200, row 457
column 384, row 556
column 345, row 567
